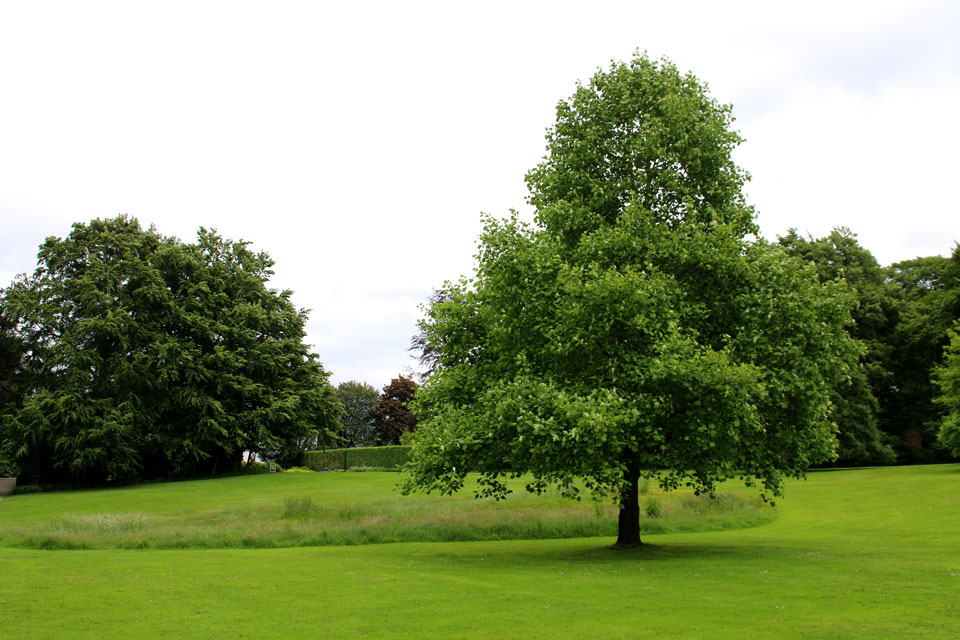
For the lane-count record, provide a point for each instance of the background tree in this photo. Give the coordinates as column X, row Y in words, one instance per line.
column 152, row 358
column 9, row 353
column 392, row 416
column 356, row 424
column 839, row 256
column 633, row 330
column 947, row 379
column 927, row 290
column 11, row 349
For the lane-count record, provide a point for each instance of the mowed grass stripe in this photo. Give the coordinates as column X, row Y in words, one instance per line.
column 859, row 553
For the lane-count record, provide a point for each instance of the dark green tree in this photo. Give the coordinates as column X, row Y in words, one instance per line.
column 928, row 290
column 9, row 353
column 11, row 349
column 839, row 256
column 632, row 331
column 149, row 357
column 356, row 423
column 392, row 416
column 947, row 380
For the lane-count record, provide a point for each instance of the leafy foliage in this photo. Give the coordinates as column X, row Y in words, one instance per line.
column 149, row 357
column 11, row 348
column 947, row 379
column 839, row 256
column 392, row 416
column 644, row 134
column 928, row 292
column 356, row 424
column 632, row 330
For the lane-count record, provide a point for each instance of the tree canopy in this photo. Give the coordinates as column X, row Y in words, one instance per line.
column 356, row 423
column 632, row 330
column 148, row 357
column 641, row 134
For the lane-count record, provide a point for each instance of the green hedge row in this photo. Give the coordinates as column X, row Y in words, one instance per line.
column 369, row 457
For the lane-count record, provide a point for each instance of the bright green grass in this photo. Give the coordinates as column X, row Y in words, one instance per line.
column 854, row 554
column 315, row 509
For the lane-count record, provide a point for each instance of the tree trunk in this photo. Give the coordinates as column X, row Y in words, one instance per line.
column 628, row 528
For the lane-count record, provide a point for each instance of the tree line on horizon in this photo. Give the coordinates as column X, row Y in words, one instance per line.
column 888, row 412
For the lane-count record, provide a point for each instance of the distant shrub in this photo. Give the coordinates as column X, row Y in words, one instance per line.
column 653, row 508
column 367, row 458
column 298, row 470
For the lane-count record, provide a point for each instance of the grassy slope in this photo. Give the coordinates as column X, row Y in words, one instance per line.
column 855, row 553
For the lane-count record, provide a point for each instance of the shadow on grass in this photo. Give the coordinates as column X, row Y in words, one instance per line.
column 598, row 551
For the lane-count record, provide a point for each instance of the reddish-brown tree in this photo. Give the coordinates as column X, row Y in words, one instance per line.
column 392, row 416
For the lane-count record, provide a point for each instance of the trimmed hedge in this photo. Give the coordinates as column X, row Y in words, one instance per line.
column 389, row 458
column 324, row 460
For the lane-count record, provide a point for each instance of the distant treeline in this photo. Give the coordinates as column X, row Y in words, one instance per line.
column 889, row 410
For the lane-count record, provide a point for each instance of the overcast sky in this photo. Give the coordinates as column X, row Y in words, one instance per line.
column 357, row 143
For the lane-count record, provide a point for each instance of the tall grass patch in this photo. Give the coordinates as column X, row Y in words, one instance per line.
column 320, row 509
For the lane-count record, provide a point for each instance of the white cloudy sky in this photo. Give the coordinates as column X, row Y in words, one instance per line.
column 358, row 142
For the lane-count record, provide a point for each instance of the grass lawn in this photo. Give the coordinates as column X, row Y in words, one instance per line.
column 858, row 553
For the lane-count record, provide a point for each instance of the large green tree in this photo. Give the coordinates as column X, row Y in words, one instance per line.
column 633, row 330
column 149, row 357
column 839, row 256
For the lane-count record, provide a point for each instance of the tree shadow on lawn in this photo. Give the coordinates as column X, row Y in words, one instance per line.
column 594, row 552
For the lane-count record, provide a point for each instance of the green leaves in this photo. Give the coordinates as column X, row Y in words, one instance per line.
column 356, row 424
column 641, row 133
column 150, row 357
column 947, row 379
